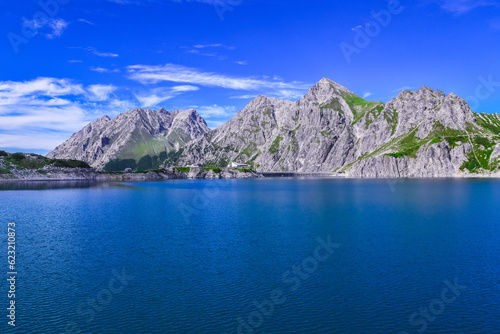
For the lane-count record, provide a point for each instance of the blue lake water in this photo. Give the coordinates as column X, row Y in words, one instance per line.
column 254, row 256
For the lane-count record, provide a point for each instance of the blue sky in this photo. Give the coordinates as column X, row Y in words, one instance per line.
column 68, row 62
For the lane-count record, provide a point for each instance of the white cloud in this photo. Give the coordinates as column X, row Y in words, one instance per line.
column 244, row 97
column 216, row 111
column 86, row 21
column 104, row 70
column 216, row 115
column 287, row 94
column 202, row 46
column 241, row 62
column 367, row 94
column 198, row 50
column 95, row 52
column 12, row 91
column 158, row 95
column 460, row 7
column 41, row 113
column 184, row 88
column 55, row 27
column 26, row 141
column 53, row 118
column 215, row 45
column 102, row 54
column 40, row 103
column 214, row 124
column 100, row 92
column 177, row 73
column 214, row 55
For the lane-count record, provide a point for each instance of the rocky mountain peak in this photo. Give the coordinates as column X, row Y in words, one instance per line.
column 132, row 135
column 96, row 125
column 427, row 107
column 419, row 133
column 430, row 92
column 261, row 103
column 103, row 119
column 324, row 91
column 327, row 82
column 189, row 117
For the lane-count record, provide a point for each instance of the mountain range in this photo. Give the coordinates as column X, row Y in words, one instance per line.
column 423, row 133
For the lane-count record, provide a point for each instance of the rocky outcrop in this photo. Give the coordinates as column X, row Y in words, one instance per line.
column 423, row 133
column 132, row 135
column 312, row 134
column 62, row 174
column 418, row 134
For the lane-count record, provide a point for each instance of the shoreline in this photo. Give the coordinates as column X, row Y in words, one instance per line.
column 160, row 176
column 85, row 174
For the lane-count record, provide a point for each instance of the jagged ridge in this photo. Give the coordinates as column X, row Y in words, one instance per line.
column 132, row 136
column 418, row 134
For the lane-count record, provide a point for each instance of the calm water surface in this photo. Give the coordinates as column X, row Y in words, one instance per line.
column 237, row 256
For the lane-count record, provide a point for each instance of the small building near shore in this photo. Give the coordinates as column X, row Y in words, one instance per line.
column 239, row 166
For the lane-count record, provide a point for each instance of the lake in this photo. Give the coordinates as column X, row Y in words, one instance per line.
column 254, row 256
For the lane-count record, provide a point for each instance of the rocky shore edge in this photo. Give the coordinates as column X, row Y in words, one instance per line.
column 58, row 173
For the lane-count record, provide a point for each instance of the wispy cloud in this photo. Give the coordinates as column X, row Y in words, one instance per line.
column 367, row 94
column 101, row 54
column 287, row 94
column 40, row 104
column 214, row 124
column 43, row 112
column 156, row 96
column 54, row 27
column 245, row 97
column 216, row 111
column 96, row 52
column 104, row 70
column 216, row 115
column 31, row 140
column 146, row 74
column 214, row 55
column 216, row 45
column 208, row 50
column 100, row 92
column 399, row 90
column 58, row 26
column 460, row 7
column 241, row 62
column 52, row 87
column 75, row 61
column 86, row 21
